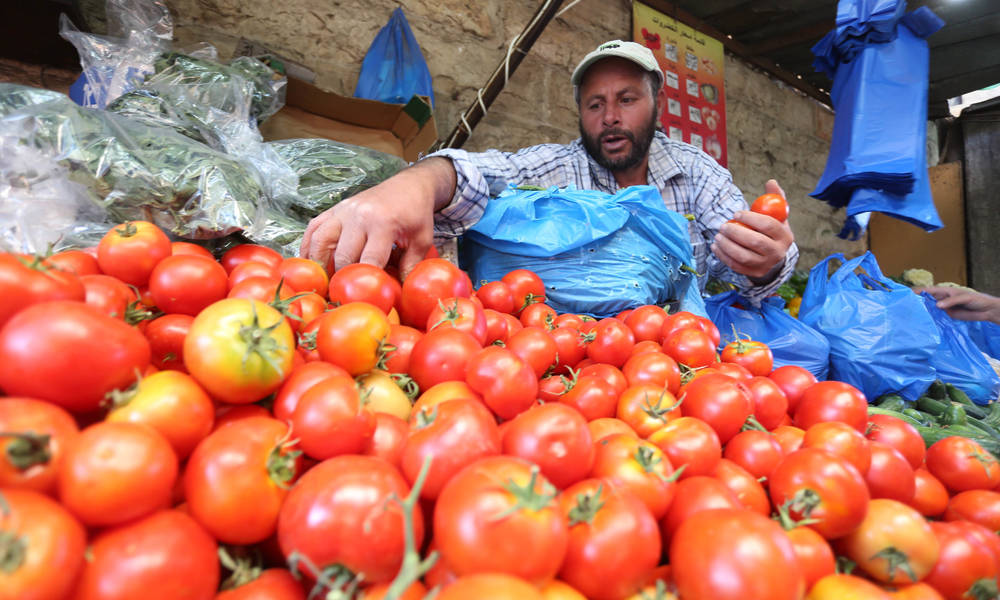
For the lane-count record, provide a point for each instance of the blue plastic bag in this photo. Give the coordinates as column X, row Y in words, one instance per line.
column 985, row 335
column 879, row 61
column 394, row 69
column 882, row 339
column 792, row 342
column 958, row 360
column 597, row 253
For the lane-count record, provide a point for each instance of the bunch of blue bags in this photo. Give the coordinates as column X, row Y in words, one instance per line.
column 394, row 69
column 597, row 253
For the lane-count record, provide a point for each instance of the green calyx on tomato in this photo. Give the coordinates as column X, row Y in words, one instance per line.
column 897, row 559
column 136, row 312
column 13, row 547
column 648, row 460
column 527, row 497
column 283, row 305
column 307, row 340
column 339, row 582
column 657, row 411
column 407, row 384
column 450, row 314
column 983, row 589
column 425, row 418
column 127, row 230
column 586, row 507
column 753, row 423
column 243, row 567
column 259, row 341
column 785, row 519
column 281, row 462
column 530, row 299
column 804, row 502
column 28, row 449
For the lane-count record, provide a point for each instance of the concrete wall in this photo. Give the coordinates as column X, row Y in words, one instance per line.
column 773, row 131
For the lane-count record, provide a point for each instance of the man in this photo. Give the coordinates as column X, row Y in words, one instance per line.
column 620, row 95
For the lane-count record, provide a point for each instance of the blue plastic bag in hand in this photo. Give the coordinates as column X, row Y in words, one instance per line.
column 882, row 339
column 597, row 253
column 792, row 342
column 394, row 69
column 958, row 360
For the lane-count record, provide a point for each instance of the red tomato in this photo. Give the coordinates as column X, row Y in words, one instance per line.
column 646, row 322
column 733, row 370
column 166, row 336
column 814, row 554
column 789, row 437
column 528, row 542
column 772, row 205
column 691, row 347
column 916, row 591
column 538, row 314
column 107, row 294
column 691, row 442
column 87, row 354
column 44, row 547
column 900, row 435
column 614, row 544
column 352, row 335
column 35, row 436
column 647, row 407
column 187, row 284
column 554, row 437
column 339, row 512
column 894, row 543
column 330, row 419
column 647, row 346
column 379, row 591
column 832, row 401
column 820, row 486
column 360, row 282
column 249, row 458
column 793, row 381
column 304, row 275
column 605, row 426
column 179, row 248
column 757, row 559
column 694, row 495
column 846, row 587
column 299, row 382
column 453, row 434
column 495, row 586
column 843, row 440
column 743, row 485
column 756, row 451
column 637, row 466
column 754, row 356
column 460, row 313
column 654, row 368
column 239, row 350
column 131, row 250
column 388, row 440
column 535, row 347
column 612, row 343
column 963, row 562
column 230, row 413
column 242, row 253
column 592, row 395
column 507, row 384
column 496, row 326
column 431, row 280
column 170, row 402
column 608, row 373
column 23, row 283
column 76, row 262
column 441, row 355
column 513, row 324
column 890, row 476
column 526, row 288
column 677, row 321
column 164, row 556
column 930, row 497
column 496, row 295
column 770, row 405
column 117, row 472
column 962, row 464
column 720, row 401
column 399, row 346
column 271, row 584
column 978, row 506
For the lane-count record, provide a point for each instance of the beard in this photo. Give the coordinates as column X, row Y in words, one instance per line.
column 639, row 141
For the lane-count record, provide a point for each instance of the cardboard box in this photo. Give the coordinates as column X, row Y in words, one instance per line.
column 403, row 130
column 898, row 245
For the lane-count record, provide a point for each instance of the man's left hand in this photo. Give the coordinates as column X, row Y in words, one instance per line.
column 754, row 245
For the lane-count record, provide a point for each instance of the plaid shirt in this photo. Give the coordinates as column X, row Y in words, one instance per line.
column 690, row 181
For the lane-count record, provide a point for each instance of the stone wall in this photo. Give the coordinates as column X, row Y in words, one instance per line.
column 773, row 131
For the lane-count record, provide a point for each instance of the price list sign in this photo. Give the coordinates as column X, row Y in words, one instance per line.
column 692, row 65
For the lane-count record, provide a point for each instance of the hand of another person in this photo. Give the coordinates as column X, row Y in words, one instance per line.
column 753, row 244
column 964, row 304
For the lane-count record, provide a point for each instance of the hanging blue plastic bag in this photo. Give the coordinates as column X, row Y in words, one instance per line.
column 394, row 69
column 791, row 341
column 597, row 253
column 958, row 360
column 882, row 339
column 985, row 335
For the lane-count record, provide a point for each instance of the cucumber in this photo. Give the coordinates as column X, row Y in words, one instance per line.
column 953, row 415
column 937, row 390
column 922, row 418
column 984, row 427
column 891, row 402
column 876, row 410
column 931, row 406
column 960, row 397
column 992, row 417
column 935, row 434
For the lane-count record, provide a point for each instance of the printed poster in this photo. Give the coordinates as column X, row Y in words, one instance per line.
column 692, row 66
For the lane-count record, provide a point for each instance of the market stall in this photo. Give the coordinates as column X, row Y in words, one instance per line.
column 576, row 397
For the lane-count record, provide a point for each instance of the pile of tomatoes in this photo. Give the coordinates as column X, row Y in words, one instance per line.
column 176, row 426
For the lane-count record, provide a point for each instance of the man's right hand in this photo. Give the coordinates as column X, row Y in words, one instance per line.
column 398, row 211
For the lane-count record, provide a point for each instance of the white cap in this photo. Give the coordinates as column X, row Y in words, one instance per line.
column 632, row 51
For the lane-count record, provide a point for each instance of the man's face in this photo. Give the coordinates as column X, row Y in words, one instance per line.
column 618, row 113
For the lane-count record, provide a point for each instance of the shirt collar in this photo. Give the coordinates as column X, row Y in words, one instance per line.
column 662, row 166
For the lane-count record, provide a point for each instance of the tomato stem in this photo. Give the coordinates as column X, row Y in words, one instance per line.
column 282, row 462
column 586, row 507
column 983, row 589
column 260, row 342
column 13, row 552
column 27, row 449
column 407, row 384
column 754, row 424
column 527, row 497
column 784, row 517
column 243, row 569
column 413, row 568
column 897, row 559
